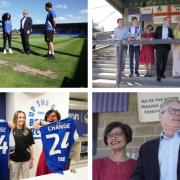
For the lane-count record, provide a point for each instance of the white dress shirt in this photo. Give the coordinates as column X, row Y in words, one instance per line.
column 165, row 32
column 23, row 21
column 168, row 156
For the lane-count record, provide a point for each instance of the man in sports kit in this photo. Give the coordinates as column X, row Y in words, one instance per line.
column 50, row 29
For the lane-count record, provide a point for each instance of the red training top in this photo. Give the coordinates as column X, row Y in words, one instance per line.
column 106, row 169
column 42, row 167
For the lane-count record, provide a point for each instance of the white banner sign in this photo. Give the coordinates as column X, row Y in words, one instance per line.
column 149, row 105
column 146, row 10
column 158, row 19
column 175, row 19
column 160, row 9
column 175, row 8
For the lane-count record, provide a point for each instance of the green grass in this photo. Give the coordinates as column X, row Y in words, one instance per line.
column 68, row 58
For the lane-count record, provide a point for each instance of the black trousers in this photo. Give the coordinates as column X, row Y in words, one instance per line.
column 25, row 42
column 6, row 37
column 161, row 58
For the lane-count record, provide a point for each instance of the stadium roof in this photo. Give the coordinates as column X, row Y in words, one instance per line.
column 62, row 23
column 121, row 4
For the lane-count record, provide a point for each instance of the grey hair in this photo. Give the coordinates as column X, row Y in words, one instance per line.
column 163, row 105
column 165, row 18
column 26, row 11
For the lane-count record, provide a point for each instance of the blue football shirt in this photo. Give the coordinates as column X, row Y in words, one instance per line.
column 51, row 15
column 4, row 149
column 57, row 139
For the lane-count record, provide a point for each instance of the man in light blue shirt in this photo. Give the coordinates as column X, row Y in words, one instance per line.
column 159, row 159
column 169, row 139
column 168, row 156
column 121, row 33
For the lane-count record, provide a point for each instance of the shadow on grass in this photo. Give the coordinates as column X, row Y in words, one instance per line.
column 58, row 52
column 80, row 78
column 22, row 51
column 18, row 50
column 14, row 49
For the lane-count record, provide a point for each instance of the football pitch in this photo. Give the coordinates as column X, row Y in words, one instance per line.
column 69, row 69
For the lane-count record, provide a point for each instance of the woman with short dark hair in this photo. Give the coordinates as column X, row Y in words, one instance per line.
column 50, row 117
column 118, row 166
column 147, row 51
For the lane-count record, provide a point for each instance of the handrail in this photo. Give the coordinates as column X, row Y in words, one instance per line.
column 137, row 42
column 154, row 41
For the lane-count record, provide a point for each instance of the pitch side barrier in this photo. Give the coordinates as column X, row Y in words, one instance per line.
column 126, row 42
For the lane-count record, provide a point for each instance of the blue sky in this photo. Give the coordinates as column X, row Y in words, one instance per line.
column 67, row 11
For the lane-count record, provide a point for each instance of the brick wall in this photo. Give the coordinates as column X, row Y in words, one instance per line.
column 142, row 132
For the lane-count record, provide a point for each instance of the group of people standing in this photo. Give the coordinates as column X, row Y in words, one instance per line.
column 159, row 159
column 22, row 157
column 26, row 30
column 145, row 54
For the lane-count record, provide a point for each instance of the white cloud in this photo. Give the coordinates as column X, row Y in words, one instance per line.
column 60, row 18
column 70, row 16
column 4, row 4
column 61, row 6
column 39, row 21
column 83, row 11
column 77, row 17
column 14, row 18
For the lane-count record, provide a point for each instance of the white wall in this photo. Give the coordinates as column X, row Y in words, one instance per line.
column 77, row 105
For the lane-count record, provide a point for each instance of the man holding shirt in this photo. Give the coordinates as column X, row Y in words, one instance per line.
column 50, row 29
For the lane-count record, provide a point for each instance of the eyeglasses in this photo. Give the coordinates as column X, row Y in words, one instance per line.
column 51, row 116
column 116, row 135
column 173, row 111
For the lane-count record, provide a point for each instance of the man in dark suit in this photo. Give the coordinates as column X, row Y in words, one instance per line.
column 26, row 30
column 159, row 159
column 162, row 50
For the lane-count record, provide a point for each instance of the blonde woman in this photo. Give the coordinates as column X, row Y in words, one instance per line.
column 176, row 53
column 22, row 158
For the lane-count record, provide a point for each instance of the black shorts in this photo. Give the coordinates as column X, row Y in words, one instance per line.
column 49, row 35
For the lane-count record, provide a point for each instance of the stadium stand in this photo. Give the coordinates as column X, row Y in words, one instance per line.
column 69, row 29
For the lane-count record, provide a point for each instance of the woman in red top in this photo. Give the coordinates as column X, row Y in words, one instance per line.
column 147, row 51
column 118, row 166
column 50, row 117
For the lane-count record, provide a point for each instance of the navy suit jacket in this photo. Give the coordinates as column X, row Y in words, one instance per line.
column 158, row 35
column 27, row 26
column 147, row 167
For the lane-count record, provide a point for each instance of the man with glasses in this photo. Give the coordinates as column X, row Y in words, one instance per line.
column 159, row 159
